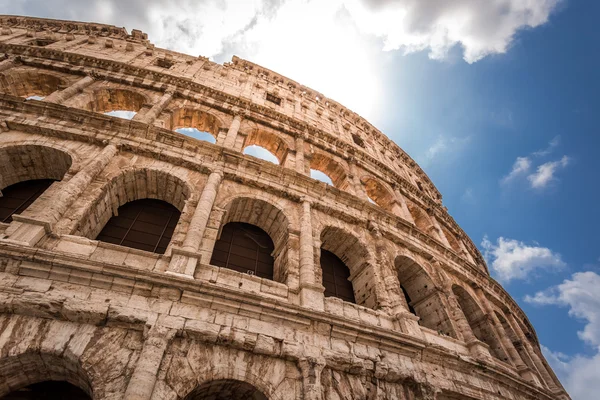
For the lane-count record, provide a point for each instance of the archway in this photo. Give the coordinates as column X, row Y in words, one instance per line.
column 27, row 377
column 195, row 123
column 479, row 323
column 353, row 255
column 267, row 141
column 263, row 224
column 422, row 296
column 378, row 193
column 30, row 83
column 17, row 197
column 116, row 102
column 331, row 169
column 244, row 248
column 145, row 224
column 226, row 389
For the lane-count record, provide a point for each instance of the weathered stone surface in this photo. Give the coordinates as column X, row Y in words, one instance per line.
column 427, row 322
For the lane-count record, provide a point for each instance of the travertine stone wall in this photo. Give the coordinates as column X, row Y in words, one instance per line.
column 429, row 323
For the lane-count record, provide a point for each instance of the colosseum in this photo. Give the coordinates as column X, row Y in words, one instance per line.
column 151, row 257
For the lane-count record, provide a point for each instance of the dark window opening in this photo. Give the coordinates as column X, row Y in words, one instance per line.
column 50, row 390
column 16, row 198
column 42, row 42
column 357, row 140
column 408, row 301
column 165, row 62
column 146, row 224
column 335, row 277
column 273, row 99
column 244, row 248
column 420, row 186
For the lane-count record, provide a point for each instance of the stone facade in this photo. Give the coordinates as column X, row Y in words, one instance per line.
column 124, row 323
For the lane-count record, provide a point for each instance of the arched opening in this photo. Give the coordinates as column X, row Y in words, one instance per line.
column 119, row 103
column 514, row 339
column 27, row 171
column 327, row 170
column 422, row 220
column 378, row 193
column 226, row 389
column 258, row 242
column 479, row 323
column 28, row 376
column 354, row 258
column 422, row 296
column 336, row 277
column 17, row 197
column 128, row 186
column 48, row 390
column 244, row 248
column 146, row 224
column 29, row 83
column 262, row 153
column 453, row 240
column 321, row 176
column 196, row 124
column 263, row 142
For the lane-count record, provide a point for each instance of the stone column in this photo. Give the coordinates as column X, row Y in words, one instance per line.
column 501, row 334
column 537, row 361
column 60, row 96
column 184, row 260
column 311, row 292
column 359, row 189
column 233, row 131
column 404, row 211
column 300, row 164
column 63, row 199
column 311, row 369
column 157, row 108
column 143, row 379
column 6, row 64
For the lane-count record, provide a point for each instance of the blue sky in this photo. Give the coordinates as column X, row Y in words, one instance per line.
column 496, row 100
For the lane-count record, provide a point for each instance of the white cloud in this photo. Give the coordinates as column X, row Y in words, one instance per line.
column 511, row 259
column 322, row 44
column 520, row 167
column 545, row 173
column 580, row 374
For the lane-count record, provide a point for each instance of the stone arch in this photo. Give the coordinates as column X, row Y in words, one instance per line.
column 268, row 141
column 115, row 99
column 31, row 161
column 422, row 219
column 514, row 339
column 452, row 240
column 333, row 169
column 187, row 117
column 129, row 185
column 356, row 256
column 226, row 389
column 28, row 82
column 22, row 370
column 479, row 322
column 423, row 296
column 379, row 192
column 267, row 216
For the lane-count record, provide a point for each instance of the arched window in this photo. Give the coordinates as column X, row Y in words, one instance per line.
column 244, row 248
column 422, row 297
column 327, row 170
column 49, row 390
column 16, row 198
column 320, row 176
column 379, row 194
column 195, row 123
column 29, row 83
column 262, row 153
column 480, row 325
column 116, row 102
column 336, row 277
column 226, row 389
column 146, row 224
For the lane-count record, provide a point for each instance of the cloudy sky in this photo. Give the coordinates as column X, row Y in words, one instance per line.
column 497, row 100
